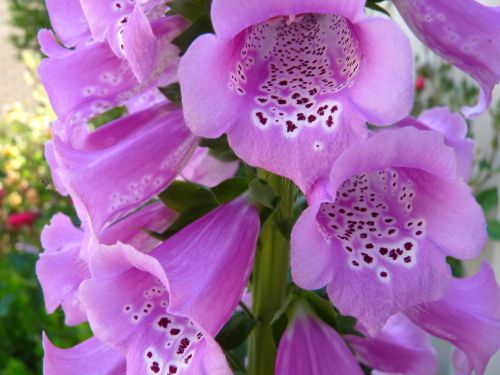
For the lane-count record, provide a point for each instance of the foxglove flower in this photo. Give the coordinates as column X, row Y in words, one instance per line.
column 454, row 128
column 468, row 316
column 64, row 264
column 292, row 82
column 69, row 23
column 374, row 235
column 130, row 159
column 464, row 32
column 310, row 346
column 163, row 309
column 400, row 347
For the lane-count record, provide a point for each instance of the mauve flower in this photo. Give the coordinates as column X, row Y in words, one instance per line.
column 64, row 264
column 292, row 82
column 130, row 160
column 400, row 347
column 310, row 346
column 374, row 235
column 454, row 128
column 69, row 23
column 163, row 309
column 468, row 316
column 22, row 219
column 464, row 32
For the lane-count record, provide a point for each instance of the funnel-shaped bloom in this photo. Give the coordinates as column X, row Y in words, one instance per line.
column 163, row 309
column 468, row 316
column 310, row 346
column 378, row 235
column 292, row 82
column 63, row 265
column 454, row 128
column 399, row 348
column 69, row 23
column 129, row 161
column 464, row 32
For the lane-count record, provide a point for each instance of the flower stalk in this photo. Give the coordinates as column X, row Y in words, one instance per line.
column 270, row 279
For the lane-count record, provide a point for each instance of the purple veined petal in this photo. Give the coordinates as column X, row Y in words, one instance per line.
column 145, row 100
column 90, row 357
column 292, row 92
column 54, row 169
column 468, row 316
column 206, row 170
column 131, row 160
column 161, row 309
column 230, row 18
column 310, row 346
column 400, row 347
column 383, row 240
column 68, row 21
column 454, row 129
column 464, row 32
column 60, row 269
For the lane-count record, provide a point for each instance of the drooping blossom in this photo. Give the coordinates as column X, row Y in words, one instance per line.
column 130, row 160
column 464, row 32
column 454, row 128
column 468, row 316
column 64, row 264
column 310, row 346
column 163, row 309
column 400, row 347
column 379, row 233
column 69, row 23
column 292, row 82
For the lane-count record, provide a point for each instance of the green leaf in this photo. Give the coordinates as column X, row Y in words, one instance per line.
column 323, row 309
column 494, row 229
column 488, row 199
column 108, row 116
column 201, row 26
column 372, row 4
column 172, row 92
column 457, row 268
column 235, row 332
column 219, row 148
column 264, row 194
column 285, row 227
column 346, row 326
column 189, row 9
column 181, row 195
column 230, row 189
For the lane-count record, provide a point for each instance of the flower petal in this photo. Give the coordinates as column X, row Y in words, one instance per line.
column 468, row 316
column 131, row 160
column 91, row 357
column 400, row 347
column 68, row 21
column 309, row 346
column 464, row 32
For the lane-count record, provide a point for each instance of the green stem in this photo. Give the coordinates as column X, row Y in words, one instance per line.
column 270, row 279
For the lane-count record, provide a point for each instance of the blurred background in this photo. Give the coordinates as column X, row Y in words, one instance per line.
column 28, row 200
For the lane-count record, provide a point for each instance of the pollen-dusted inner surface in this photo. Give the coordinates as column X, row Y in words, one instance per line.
column 373, row 219
column 289, row 68
column 176, row 338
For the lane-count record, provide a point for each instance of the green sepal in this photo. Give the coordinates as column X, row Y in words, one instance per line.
column 236, row 331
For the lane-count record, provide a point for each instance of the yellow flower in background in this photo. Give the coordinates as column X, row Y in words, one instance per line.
column 12, row 178
column 9, row 151
column 14, row 199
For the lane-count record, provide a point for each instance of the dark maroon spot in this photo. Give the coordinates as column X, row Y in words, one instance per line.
column 262, row 119
column 383, row 274
column 281, row 101
column 349, row 249
column 329, row 122
column 311, row 118
column 399, row 251
column 334, row 109
column 418, row 233
column 369, row 246
column 155, row 367
column 175, row 331
column 407, row 259
column 391, row 231
column 408, row 246
column 362, row 235
column 290, row 127
column 262, row 100
column 188, row 358
column 164, row 322
column 149, row 354
column 393, row 254
column 296, row 95
column 368, row 259
column 355, row 263
column 375, row 214
column 172, row 369
column 301, row 117
column 388, row 221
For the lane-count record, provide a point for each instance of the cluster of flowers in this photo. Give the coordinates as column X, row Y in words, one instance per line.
column 293, row 84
